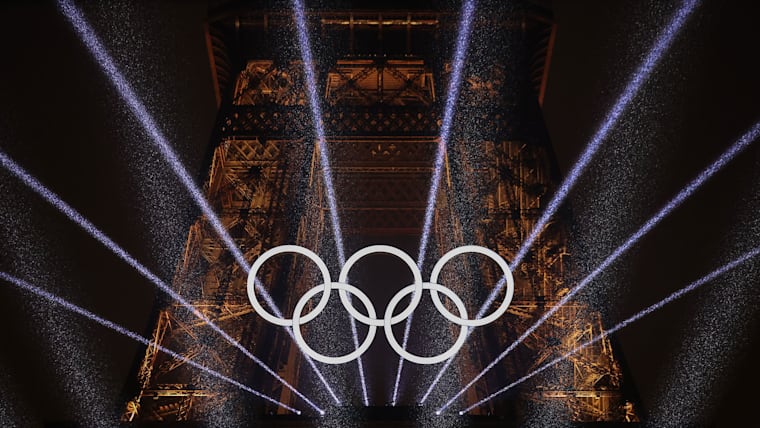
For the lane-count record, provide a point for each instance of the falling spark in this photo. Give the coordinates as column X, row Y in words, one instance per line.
column 101, row 237
column 689, row 288
column 460, row 54
column 121, row 330
column 98, row 51
column 687, row 191
column 316, row 112
column 629, row 93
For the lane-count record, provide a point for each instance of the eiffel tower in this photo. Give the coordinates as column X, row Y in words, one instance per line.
column 381, row 75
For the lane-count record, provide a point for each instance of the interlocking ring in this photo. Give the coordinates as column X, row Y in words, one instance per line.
column 415, row 358
column 326, row 284
column 387, row 249
column 298, row 321
column 371, row 320
column 486, row 252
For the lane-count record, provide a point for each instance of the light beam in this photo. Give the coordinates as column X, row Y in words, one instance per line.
column 691, row 287
column 463, row 39
column 745, row 140
column 134, row 336
column 101, row 237
column 460, row 54
column 100, row 54
column 641, row 75
column 629, row 93
column 316, row 113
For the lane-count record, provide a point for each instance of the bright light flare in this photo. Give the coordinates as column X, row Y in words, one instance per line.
column 100, row 54
column 101, row 237
column 613, row 116
column 134, row 336
column 687, row 191
column 691, row 287
column 460, row 54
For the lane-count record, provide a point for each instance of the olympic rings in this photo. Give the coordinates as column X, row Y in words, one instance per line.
column 371, row 320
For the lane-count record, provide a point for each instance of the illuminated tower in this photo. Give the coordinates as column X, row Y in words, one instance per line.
column 381, row 77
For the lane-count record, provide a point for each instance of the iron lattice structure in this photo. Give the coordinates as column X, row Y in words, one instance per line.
column 381, row 82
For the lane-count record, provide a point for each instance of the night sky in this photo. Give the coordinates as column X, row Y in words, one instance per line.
column 63, row 122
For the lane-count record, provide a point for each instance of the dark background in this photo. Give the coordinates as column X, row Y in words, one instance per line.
column 61, row 120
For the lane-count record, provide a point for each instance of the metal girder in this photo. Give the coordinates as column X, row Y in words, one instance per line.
column 380, row 82
column 251, row 174
column 382, row 121
column 514, row 177
column 176, row 390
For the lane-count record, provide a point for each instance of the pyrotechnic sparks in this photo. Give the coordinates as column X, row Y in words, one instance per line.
column 641, row 75
column 134, row 336
column 463, row 38
column 744, row 141
column 101, row 237
column 324, row 158
column 689, row 288
column 98, row 51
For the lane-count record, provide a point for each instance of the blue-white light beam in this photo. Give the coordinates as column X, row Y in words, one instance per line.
column 680, row 293
column 641, row 75
column 134, row 336
column 324, row 158
column 100, row 54
column 460, row 55
column 664, row 41
column 73, row 215
column 745, row 140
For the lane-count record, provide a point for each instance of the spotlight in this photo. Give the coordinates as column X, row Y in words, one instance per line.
column 463, row 39
column 73, row 215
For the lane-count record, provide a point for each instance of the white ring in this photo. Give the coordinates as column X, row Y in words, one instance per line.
column 389, row 320
column 297, row 322
column 416, row 358
column 284, row 322
column 342, row 278
column 480, row 250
